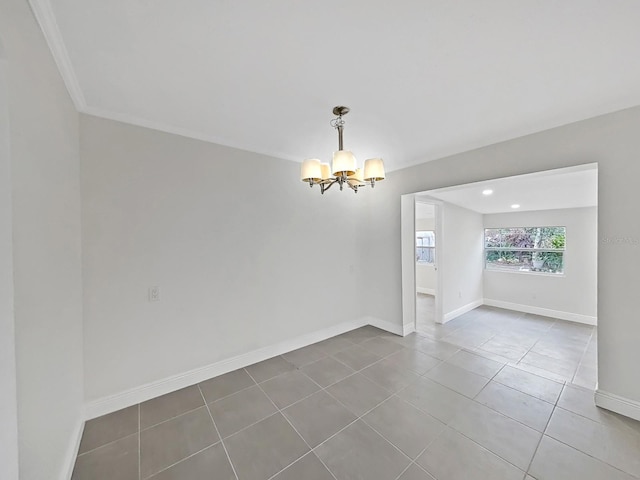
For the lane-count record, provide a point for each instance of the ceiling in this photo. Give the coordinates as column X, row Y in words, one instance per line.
column 564, row 188
column 424, row 79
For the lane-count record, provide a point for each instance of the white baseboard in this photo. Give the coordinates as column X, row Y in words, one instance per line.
column 408, row 328
column 546, row 312
column 462, row 310
column 618, row 404
column 151, row 390
column 72, row 452
column 426, row 291
column 385, row 325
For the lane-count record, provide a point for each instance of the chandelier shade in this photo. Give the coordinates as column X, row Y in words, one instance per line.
column 311, row 171
column 374, row 169
column 344, row 162
column 344, row 167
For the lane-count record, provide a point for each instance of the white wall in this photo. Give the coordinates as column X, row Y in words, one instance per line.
column 610, row 140
column 425, row 273
column 8, row 399
column 245, row 255
column 571, row 296
column 461, row 261
column 46, row 249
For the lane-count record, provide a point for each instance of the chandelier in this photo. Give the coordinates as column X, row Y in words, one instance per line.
column 343, row 170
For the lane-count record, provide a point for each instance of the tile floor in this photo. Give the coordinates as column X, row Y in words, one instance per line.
column 456, row 402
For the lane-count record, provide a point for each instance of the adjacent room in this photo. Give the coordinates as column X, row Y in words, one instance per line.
column 532, row 251
column 249, row 240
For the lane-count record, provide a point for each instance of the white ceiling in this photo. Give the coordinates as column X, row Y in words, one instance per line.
column 550, row 190
column 423, row 78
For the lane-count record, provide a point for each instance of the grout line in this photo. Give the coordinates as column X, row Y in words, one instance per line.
column 535, row 452
column 150, row 477
column 218, row 432
column 139, row 447
column 106, row 444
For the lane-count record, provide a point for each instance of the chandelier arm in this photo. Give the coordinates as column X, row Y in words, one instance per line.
column 326, row 186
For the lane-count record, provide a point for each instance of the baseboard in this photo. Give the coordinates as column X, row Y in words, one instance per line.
column 426, row 291
column 151, row 390
column 385, row 325
column 618, row 404
column 546, row 312
column 408, row 328
column 462, row 310
column 72, row 452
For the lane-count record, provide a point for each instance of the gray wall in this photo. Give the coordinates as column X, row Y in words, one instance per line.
column 8, row 398
column 46, row 249
column 246, row 256
column 612, row 141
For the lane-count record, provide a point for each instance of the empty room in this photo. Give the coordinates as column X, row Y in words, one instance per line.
column 213, row 234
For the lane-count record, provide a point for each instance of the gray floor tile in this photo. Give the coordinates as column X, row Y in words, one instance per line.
column 269, row 368
column 623, row 449
column 167, row 443
column 437, row 349
column 531, row 411
column 116, row 461
column 318, row 417
column 357, row 357
column 358, row 452
column 202, row 466
column 224, row 385
column 288, row 388
column 307, row 468
column 435, row 399
column 381, row 346
column 327, row 371
column 268, row 446
column 506, row 350
column 361, row 334
column 565, row 368
column 557, row 461
column 304, row 356
column 333, row 345
column 106, row 429
column 578, row 432
column 404, row 425
column 581, row 401
column 358, row 393
column 503, row 436
column 540, row 372
column 414, row 472
column 170, row 405
column 475, row 363
column 410, row 359
column 454, row 457
column 240, row 410
column 529, row 383
column 264, row 449
column 586, row 376
column 457, row 379
column 385, row 374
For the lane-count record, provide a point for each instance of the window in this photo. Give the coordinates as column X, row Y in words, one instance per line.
column 426, row 246
column 525, row 249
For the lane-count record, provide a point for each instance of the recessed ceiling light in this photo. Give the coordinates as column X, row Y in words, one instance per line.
column 515, row 205
column 488, row 191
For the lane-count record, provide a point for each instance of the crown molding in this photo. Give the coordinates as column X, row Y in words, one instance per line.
column 46, row 19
